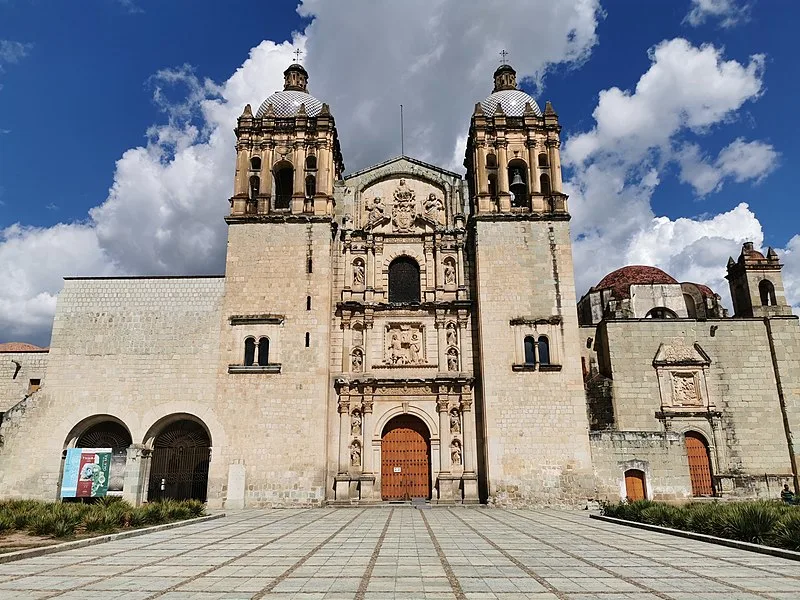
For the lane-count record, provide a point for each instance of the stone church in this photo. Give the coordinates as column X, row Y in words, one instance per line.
column 406, row 332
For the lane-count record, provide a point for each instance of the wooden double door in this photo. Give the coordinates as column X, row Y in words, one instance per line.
column 405, row 459
column 699, row 464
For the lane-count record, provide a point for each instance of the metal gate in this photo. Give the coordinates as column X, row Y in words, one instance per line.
column 634, row 485
column 699, row 464
column 405, row 460
column 179, row 463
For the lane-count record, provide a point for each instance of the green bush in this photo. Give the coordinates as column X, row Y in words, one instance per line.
column 787, row 531
column 750, row 521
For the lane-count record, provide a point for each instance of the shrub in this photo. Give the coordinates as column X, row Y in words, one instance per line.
column 750, row 521
column 196, row 508
column 787, row 532
column 704, row 517
column 665, row 515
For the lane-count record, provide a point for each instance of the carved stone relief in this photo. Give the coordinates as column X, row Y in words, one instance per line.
column 449, row 272
column 455, row 421
column 405, row 208
column 452, row 359
column 355, row 453
column 455, row 452
column 355, row 423
column 358, row 273
column 404, row 344
column 357, row 361
column 684, row 389
column 452, row 334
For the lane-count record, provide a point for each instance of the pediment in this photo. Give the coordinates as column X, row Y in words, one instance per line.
column 402, row 205
column 679, row 353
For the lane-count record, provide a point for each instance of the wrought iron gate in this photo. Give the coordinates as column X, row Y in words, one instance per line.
column 179, row 463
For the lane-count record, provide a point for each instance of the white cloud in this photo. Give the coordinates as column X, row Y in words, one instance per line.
column 618, row 163
column 12, row 52
column 740, row 160
column 728, row 12
column 164, row 212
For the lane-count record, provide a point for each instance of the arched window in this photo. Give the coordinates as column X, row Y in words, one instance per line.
column 691, row 307
column 284, row 185
column 518, row 178
column 311, row 186
column 544, row 350
column 530, row 350
column 263, row 352
column 767, row 292
column 659, row 312
column 255, row 163
column 255, row 187
column 311, row 163
column 544, row 184
column 543, row 160
column 404, row 280
column 493, row 186
column 308, row 302
column 491, row 161
column 249, row 352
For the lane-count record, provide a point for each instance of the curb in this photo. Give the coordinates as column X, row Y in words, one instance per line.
column 101, row 539
column 702, row 537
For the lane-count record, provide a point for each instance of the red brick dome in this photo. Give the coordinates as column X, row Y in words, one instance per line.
column 621, row 280
column 20, row 347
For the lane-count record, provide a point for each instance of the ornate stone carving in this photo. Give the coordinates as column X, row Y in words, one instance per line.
column 357, row 361
column 355, row 453
column 358, row 273
column 452, row 334
column 358, row 334
column 684, row 389
column 376, row 210
column 455, row 452
column 452, row 359
column 404, row 210
column 355, row 423
column 404, row 344
column 455, row 421
column 449, row 272
column 433, row 207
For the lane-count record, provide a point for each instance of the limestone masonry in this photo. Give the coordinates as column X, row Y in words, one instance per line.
column 405, row 332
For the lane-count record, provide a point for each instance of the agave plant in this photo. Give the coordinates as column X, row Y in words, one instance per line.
column 749, row 521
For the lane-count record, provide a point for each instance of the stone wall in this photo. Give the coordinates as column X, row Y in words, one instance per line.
column 137, row 349
column 535, row 427
column 18, row 370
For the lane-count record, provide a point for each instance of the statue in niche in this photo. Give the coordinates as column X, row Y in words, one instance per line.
column 455, row 452
column 355, row 454
column 413, row 348
column 355, row 423
column 376, row 210
column 347, row 222
column 452, row 335
column 432, row 206
column 455, row 421
column 358, row 273
column 404, row 210
column 358, row 361
column 452, row 359
column 397, row 356
column 358, row 336
column 449, row 273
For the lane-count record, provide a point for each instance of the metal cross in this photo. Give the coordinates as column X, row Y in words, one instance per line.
column 503, row 55
column 297, row 54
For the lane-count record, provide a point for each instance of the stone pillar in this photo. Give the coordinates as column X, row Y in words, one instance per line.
column 344, row 435
column 234, row 498
column 241, row 185
column 502, row 177
column 135, row 479
column 470, row 446
column 370, row 288
column 299, row 185
column 347, row 344
column 442, row 406
column 461, row 281
column 537, row 202
column 555, row 165
column 430, row 273
column 324, row 186
column 441, row 342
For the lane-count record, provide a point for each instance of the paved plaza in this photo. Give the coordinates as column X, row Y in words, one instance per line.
column 403, row 553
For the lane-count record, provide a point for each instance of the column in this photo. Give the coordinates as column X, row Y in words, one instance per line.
column 366, row 434
column 266, row 175
column 430, row 273
column 344, row 435
column 134, row 478
column 460, row 269
column 502, row 177
column 299, row 185
column 470, row 447
column 444, row 433
column 323, row 187
column 347, row 342
column 537, row 203
column 367, row 351
column 441, row 332
column 555, row 165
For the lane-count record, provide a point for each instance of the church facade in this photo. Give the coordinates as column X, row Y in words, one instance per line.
column 407, row 332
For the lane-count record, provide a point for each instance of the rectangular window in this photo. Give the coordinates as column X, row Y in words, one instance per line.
column 33, row 385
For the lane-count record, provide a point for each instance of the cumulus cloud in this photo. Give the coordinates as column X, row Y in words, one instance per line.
column 12, row 52
column 740, row 161
column 618, row 163
column 728, row 12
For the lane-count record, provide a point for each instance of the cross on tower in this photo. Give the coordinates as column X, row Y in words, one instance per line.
column 503, row 55
column 297, row 54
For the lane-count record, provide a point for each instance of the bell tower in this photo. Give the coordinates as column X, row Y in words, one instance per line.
column 756, row 284
column 531, row 387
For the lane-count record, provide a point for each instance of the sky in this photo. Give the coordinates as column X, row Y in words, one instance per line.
column 117, row 116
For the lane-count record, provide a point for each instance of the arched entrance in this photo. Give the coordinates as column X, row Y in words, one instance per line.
column 405, row 459
column 634, row 485
column 179, row 463
column 699, row 464
column 114, row 435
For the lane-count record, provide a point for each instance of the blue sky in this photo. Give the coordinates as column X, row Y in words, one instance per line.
column 151, row 83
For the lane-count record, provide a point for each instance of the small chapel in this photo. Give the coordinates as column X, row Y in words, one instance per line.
column 407, row 333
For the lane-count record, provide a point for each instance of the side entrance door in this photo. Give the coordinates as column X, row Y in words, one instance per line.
column 405, row 460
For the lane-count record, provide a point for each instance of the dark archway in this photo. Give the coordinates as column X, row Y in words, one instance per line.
column 180, row 460
column 767, row 292
column 405, row 459
column 284, row 185
column 404, row 280
column 114, row 435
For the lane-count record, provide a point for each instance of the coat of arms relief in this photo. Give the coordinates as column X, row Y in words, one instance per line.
column 405, row 208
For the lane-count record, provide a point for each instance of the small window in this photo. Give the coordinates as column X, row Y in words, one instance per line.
column 543, row 160
column 544, row 350
column 544, row 184
column 311, row 163
column 530, row 351
column 308, row 339
column 404, row 280
column 767, row 292
column 34, row 385
column 263, row 352
column 249, row 352
column 255, row 163
column 309, row 265
column 308, row 302
column 660, row 312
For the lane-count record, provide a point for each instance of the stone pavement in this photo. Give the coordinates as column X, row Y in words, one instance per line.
column 403, row 553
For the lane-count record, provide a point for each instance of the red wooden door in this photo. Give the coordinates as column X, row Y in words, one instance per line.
column 405, row 460
column 634, row 485
column 699, row 465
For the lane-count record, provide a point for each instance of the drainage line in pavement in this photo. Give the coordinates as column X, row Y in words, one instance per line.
column 448, row 570
column 362, row 585
column 303, row 560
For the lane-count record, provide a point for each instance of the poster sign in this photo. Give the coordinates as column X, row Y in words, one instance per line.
column 86, row 473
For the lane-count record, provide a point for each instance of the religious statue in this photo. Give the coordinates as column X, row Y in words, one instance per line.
column 404, row 207
column 358, row 361
column 432, row 206
column 449, row 273
column 358, row 274
column 455, row 452
column 455, row 421
column 355, row 423
column 396, row 354
column 452, row 359
column 347, row 222
column 413, row 348
column 452, row 335
column 355, row 454
column 376, row 210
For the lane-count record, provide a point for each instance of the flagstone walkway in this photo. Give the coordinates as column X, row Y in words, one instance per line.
column 403, row 553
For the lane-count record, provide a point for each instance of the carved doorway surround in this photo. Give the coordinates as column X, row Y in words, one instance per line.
column 405, row 459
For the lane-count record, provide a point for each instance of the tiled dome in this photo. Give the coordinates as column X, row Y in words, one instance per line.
column 621, row 280
column 286, row 103
column 512, row 101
